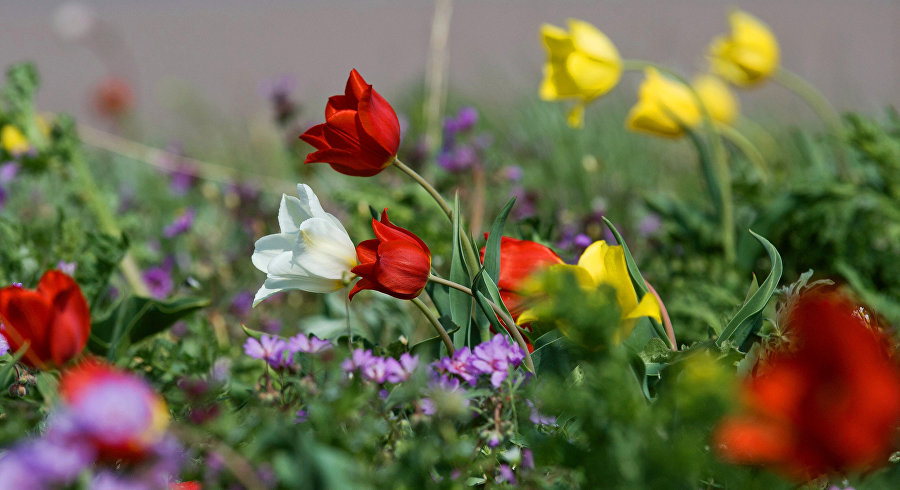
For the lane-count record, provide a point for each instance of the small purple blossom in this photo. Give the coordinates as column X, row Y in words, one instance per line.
column 527, row 459
column 242, row 303
column 357, row 360
column 182, row 224
column 308, row 344
column 440, row 386
column 268, row 348
column 458, row 159
column 513, row 173
column 495, row 358
column 300, row 416
column 8, row 172
column 506, row 474
column 380, row 369
column 460, row 364
column 4, row 345
column 537, row 418
column 67, row 267
column 650, row 224
column 465, row 120
column 159, row 279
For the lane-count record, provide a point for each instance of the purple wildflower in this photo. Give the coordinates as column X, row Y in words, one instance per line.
column 242, row 303
column 495, row 358
column 582, row 241
column 182, row 224
column 506, row 474
column 440, row 387
column 357, row 360
column 8, row 172
column 67, row 267
column 460, row 364
column 527, row 459
column 513, row 173
column 159, row 279
column 650, row 224
column 301, row 416
column 465, row 120
column 308, row 344
column 4, row 345
column 537, row 418
column 268, row 348
column 458, row 158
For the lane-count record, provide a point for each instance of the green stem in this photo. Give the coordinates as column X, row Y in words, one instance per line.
column 436, row 324
column 513, row 328
column 820, row 105
column 747, row 148
column 471, row 256
column 92, row 196
column 718, row 163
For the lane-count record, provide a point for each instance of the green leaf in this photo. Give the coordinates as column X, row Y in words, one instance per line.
column 5, row 375
column 489, row 312
column 552, row 354
column 460, row 302
column 135, row 319
column 492, row 248
column 748, row 318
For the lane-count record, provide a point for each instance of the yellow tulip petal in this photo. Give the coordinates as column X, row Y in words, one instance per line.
column 557, row 41
column 606, row 264
column 575, row 118
column 750, row 54
column 664, row 107
column 557, row 83
column 721, row 103
column 589, row 40
column 12, row 140
column 527, row 316
column 648, row 118
column 593, row 77
column 648, row 306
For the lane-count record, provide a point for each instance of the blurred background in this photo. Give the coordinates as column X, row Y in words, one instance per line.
column 226, row 54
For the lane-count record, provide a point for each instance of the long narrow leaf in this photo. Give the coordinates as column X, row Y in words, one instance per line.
column 460, row 302
column 492, row 247
column 748, row 318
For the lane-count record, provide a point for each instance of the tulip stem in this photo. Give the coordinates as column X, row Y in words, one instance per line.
column 471, row 256
column 670, row 331
column 719, row 162
column 90, row 192
column 445, row 337
column 512, row 327
column 820, row 105
column 747, row 148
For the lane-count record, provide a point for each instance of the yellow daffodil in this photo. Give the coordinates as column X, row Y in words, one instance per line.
column 602, row 264
column 13, row 141
column 717, row 97
column 582, row 64
column 664, row 108
column 749, row 55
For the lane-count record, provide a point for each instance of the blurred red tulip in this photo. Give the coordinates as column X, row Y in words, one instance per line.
column 54, row 320
column 519, row 259
column 829, row 402
column 113, row 97
column 361, row 132
column 396, row 262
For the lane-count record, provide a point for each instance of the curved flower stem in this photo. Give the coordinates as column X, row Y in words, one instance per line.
column 513, row 328
column 820, row 105
column 91, row 194
column 471, row 256
column 670, row 331
column 719, row 159
column 435, row 323
column 747, row 148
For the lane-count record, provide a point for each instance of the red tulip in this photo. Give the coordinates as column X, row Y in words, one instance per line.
column 519, row 259
column 113, row 97
column 828, row 403
column 361, row 132
column 396, row 262
column 54, row 320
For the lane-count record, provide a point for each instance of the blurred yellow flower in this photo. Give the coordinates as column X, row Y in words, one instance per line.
column 717, row 98
column 749, row 55
column 582, row 64
column 602, row 264
column 13, row 141
column 664, row 107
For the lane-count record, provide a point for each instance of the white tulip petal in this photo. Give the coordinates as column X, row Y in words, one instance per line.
column 324, row 250
column 275, row 285
column 271, row 246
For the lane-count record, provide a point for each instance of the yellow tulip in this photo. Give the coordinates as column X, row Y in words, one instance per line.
column 13, row 141
column 718, row 99
column 749, row 55
column 664, row 107
column 582, row 64
column 602, row 264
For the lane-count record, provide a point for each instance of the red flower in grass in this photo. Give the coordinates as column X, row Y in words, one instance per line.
column 113, row 97
column 54, row 320
column 519, row 259
column 361, row 132
column 396, row 262
column 830, row 403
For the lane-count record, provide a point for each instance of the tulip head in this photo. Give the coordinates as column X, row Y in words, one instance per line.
column 717, row 98
column 396, row 262
column 312, row 253
column 582, row 64
column 361, row 133
column 54, row 320
column 519, row 260
column 749, row 55
column 13, row 141
column 665, row 107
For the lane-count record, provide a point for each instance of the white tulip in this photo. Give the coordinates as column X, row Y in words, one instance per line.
column 312, row 253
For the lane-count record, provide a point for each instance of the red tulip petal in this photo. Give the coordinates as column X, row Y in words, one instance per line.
column 751, row 441
column 367, row 251
column 403, row 268
column 361, row 284
column 315, row 136
column 356, row 86
column 26, row 317
column 380, row 121
column 364, row 270
column 340, row 131
column 339, row 103
column 70, row 325
column 387, row 231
